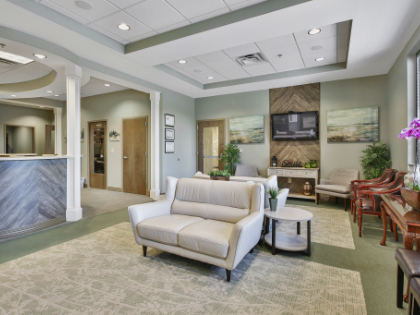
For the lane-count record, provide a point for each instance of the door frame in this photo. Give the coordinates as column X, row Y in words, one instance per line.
column 147, row 150
column 196, row 135
column 88, row 152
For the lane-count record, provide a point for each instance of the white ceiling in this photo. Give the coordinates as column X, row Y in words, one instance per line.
column 145, row 17
column 284, row 53
column 11, row 73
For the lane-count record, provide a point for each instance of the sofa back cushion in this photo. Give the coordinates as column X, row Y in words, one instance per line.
column 212, row 199
column 343, row 177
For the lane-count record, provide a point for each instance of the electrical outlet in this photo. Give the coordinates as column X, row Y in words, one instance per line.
column 289, row 180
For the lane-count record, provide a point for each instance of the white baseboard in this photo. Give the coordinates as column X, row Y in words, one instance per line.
column 74, row 214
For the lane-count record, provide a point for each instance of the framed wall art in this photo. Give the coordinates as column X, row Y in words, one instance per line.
column 246, row 130
column 169, row 134
column 169, row 147
column 169, row 120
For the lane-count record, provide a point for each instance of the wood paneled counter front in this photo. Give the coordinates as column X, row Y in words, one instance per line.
column 33, row 194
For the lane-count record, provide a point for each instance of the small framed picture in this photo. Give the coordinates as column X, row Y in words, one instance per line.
column 169, row 147
column 169, row 120
column 169, row 134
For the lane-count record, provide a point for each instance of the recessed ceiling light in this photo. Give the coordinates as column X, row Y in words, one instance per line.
column 56, row 95
column 13, row 95
column 210, row 78
column 40, row 56
column 320, row 59
column 182, row 61
column 314, row 31
column 124, row 27
column 41, row 106
column 49, row 91
column 106, row 84
column 83, row 5
column 15, row 58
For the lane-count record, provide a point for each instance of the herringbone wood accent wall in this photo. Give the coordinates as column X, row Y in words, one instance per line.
column 298, row 99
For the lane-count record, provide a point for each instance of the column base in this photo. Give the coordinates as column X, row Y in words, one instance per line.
column 155, row 195
column 74, row 214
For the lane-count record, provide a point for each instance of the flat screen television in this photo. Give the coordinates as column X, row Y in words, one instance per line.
column 295, row 126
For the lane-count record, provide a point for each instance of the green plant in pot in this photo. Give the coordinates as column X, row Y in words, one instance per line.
column 230, row 157
column 219, row 175
column 375, row 160
column 272, row 193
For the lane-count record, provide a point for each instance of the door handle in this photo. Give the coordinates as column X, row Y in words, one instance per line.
column 125, row 158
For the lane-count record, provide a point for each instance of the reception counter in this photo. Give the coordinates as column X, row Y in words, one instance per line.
column 33, row 194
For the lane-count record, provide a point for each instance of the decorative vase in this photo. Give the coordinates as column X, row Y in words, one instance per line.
column 409, row 177
column 307, row 164
column 307, row 189
column 314, row 163
column 273, row 204
column 411, row 197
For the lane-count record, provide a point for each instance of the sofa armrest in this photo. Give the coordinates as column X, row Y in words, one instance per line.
column 325, row 182
column 245, row 235
column 138, row 213
column 282, row 197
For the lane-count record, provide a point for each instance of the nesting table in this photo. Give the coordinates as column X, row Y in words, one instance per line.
column 285, row 240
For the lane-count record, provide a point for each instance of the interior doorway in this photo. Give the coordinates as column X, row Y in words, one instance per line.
column 210, row 144
column 49, row 139
column 134, row 135
column 97, row 154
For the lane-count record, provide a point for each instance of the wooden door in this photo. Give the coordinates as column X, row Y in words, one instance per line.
column 97, row 154
column 210, row 144
column 134, row 135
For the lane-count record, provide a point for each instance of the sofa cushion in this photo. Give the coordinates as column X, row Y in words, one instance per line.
column 334, row 188
column 208, row 237
column 165, row 228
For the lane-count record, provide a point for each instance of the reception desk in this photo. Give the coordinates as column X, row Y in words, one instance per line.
column 33, row 194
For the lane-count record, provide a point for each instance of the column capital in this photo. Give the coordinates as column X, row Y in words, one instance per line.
column 73, row 70
column 155, row 96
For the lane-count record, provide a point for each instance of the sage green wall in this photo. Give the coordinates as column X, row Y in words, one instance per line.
column 26, row 116
column 241, row 104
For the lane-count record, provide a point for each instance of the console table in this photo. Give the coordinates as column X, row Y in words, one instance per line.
column 296, row 172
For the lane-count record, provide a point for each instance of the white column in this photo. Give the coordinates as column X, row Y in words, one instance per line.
column 411, row 105
column 155, row 145
column 73, row 76
column 58, row 112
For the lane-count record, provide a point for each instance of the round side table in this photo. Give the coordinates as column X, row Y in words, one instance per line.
column 285, row 240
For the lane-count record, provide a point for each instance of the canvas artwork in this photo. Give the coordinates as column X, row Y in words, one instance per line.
column 244, row 130
column 353, row 125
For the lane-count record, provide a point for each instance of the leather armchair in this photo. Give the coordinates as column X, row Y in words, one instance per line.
column 363, row 184
column 369, row 200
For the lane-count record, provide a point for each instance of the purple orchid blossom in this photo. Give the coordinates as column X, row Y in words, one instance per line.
column 413, row 131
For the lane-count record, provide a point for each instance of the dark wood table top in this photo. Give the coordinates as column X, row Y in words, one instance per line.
column 405, row 214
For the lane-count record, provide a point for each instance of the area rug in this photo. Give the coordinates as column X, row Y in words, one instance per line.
column 104, row 273
column 329, row 227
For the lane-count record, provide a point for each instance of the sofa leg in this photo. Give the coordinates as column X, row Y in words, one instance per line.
column 228, row 275
column 144, row 251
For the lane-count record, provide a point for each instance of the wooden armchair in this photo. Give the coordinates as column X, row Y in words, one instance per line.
column 368, row 201
column 364, row 184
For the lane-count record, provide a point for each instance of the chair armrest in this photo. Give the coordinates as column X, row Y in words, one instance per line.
column 325, row 182
column 368, row 193
column 282, row 197
column 358, row 181
column 141, row 212
column 245, row 235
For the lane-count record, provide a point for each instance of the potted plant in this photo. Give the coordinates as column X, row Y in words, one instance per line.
column 219, row 175
column 230, row 157
column 272, row 193
column 411, row 194
column 375, row 160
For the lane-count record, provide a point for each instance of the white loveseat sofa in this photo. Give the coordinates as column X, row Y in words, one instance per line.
column 215, row 222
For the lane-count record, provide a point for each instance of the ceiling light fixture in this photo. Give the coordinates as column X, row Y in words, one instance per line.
column 210, row 78
column 124, row 27
column 106, row 84
column 320, row 59
column 49, row 91
column 314, row 31
column 56, row 95
column 13, row 95
column 40, row 56
column 15, row 58
column 83, row 5
column 182, row 62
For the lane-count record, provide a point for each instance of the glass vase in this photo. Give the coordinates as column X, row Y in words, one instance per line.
column 409, row 177
column 416, row 173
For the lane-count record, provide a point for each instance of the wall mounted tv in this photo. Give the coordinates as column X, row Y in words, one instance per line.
column 295, row 126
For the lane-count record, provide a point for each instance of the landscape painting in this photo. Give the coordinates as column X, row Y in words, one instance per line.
column 353, row 125
column 244, row 130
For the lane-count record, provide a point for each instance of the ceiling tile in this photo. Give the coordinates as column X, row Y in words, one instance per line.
column 106, row 32
column 198, row 70
column 64, row 11
column 326, row 31
column 319, row 46
column 191, row 62
column 241, row 50
column 288, row 65
column 155, row 14
column 212, row 57
column 261, row 69
column 232, row 74
column 174, row 26
column 221, row 65
column 276, row 42
column 210, row 15
column 330, row 58
column 236, row 5
column 191, row 9
column 216, row 77
column 124, row 3
column 134, row 39
column 100, row 9
column 111, row 22
column 288, row 52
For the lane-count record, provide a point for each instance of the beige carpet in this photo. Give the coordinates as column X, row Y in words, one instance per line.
column 329, row 227
column 104, row 273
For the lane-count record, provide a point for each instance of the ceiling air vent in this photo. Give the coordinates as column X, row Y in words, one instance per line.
column 250, row 60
